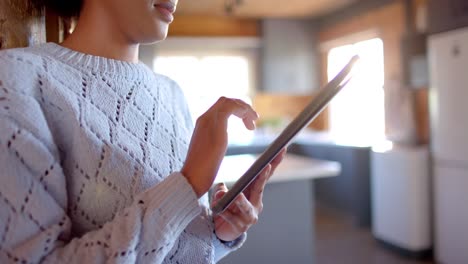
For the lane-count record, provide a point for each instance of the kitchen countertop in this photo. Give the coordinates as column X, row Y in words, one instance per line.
column 293, row 167
column 263, row 139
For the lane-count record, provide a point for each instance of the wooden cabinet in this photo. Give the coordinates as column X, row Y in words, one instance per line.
column 445, row 15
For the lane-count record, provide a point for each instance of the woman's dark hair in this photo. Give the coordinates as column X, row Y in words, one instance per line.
column 65, row 8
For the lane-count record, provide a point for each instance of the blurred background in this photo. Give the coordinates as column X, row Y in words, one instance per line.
column 381, row 175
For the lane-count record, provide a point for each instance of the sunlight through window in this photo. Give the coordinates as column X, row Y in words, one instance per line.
column 357, row 113
column 206, row 78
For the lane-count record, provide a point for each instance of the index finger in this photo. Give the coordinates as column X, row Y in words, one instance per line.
column 226, row 107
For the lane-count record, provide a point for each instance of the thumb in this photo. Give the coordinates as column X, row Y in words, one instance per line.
column 219, row 191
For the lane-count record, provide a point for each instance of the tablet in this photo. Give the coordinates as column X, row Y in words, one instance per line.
column 312, row 110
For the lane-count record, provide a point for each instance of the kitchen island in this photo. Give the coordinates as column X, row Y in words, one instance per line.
column 285, row 231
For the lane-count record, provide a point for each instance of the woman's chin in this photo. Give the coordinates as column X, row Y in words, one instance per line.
column 157, row 35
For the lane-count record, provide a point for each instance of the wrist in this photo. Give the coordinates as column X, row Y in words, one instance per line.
column 192, row 181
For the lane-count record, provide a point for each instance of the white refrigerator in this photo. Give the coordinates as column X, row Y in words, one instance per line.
column 448, row 98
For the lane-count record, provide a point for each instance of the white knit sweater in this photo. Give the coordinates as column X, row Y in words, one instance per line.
column 90, row 150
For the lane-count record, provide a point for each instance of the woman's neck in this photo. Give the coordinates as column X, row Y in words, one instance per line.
column 95, row 34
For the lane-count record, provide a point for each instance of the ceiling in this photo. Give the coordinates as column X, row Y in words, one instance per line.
column 263, row 8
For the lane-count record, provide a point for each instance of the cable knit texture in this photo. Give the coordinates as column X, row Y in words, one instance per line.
column 90, row 150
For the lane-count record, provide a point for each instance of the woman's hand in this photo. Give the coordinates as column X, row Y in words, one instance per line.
column 209, row 142
column 244, row 211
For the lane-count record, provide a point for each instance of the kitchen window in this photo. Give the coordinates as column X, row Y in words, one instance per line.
column 206, row 75
column 357, row 114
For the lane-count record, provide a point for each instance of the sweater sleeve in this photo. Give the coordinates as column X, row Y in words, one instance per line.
column 35, row 225
column 222, row 249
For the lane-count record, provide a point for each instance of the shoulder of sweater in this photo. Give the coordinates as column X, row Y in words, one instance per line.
column 21, row 57
column 179, row 99
column 172, row 85
column 20, row 69
column 20, row 81
column 167, row 80
column 21, row 73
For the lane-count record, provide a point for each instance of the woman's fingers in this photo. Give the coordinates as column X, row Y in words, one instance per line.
column 249, row 120
column 256, row 189
column 241, row 214
column 227, row 107
column 241, row 203
column 277, row 160
column 245, row 210
column 218, row 192
column 209, row 141
column 248, row 212
column 233, row 220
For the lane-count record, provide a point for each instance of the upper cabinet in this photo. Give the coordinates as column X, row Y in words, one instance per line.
column 289, row 59
column 445, row 15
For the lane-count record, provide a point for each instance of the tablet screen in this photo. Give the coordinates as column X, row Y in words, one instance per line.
column 308, row 114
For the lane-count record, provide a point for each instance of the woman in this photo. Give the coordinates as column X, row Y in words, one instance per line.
column 96, row 156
